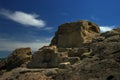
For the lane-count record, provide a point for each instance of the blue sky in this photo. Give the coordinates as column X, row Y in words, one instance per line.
column 32, row 23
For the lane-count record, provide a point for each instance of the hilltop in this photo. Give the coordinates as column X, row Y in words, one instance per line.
column 78, row 51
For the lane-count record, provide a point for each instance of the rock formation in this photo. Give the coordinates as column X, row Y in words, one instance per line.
column 49, row 57
column 45, row 57
column 77, row 52
column 109, row 47
column 17, row 58
column 102, row 64
column 92, row 69
column 74, row 34
column 24, row 74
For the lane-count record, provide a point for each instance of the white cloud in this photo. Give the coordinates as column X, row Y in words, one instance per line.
column 106, row 28
column 8, row 45
column 23, row 18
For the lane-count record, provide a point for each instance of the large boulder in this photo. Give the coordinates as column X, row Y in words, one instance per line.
column 46, row 57
column 74, row 34
column 17, row 58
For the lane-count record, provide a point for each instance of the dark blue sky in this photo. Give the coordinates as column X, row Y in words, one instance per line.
column 32, row 23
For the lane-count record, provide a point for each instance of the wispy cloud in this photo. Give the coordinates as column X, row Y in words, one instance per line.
column 106, row 28
column 8, row 45
column 23, row 18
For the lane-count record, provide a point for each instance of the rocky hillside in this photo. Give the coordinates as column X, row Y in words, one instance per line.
column 78, row 51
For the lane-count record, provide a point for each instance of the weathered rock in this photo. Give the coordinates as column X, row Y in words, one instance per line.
column 17, row 58
column 25, row 74
column 92, row 69
column 74, row 34
column 104, row 64
column 109, row 46
column 81, row 54
column 46, row 57
column 98, row 69
column 98, row 39
column 64, row 65
column 63, row 54
column 77, row 51
column 72, row 60
column 111, row 33
column 3, row 64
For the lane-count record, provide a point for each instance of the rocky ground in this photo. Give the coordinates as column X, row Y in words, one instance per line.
column 78, row 51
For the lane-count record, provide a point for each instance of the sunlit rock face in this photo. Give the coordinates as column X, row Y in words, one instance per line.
column 74, row 34
column 17, row 58
column 46, row 57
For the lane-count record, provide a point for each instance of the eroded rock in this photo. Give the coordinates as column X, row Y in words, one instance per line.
column 24, row 74
column 77, row 52
column 74, row 34
column 17, row 58
column 46, row 57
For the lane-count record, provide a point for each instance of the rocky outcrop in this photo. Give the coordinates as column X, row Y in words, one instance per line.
column 49, row 57
column 45, row 57
column 109, row 47
column 77, row 52
column 74, row 34
column 92, row 69
column 3, row 64
column 25, row 74
column 17, row 58
column 102, row 64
